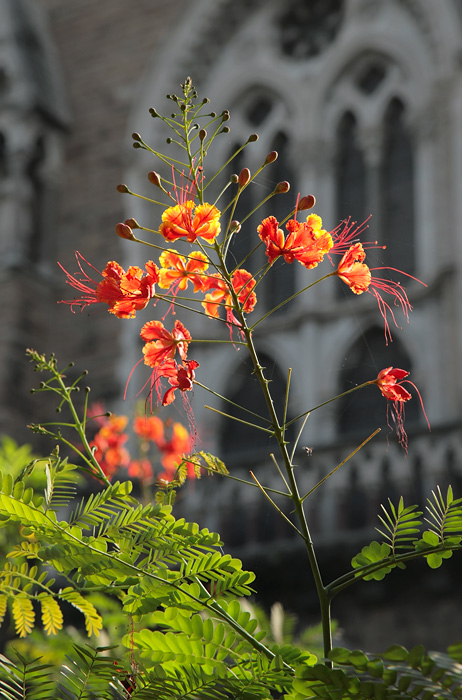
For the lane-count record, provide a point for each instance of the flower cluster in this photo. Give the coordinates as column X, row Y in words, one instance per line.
column 108, row 444
column 204, row 270
column 172, row 442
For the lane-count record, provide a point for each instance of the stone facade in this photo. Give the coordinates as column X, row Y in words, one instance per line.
column 364, row 101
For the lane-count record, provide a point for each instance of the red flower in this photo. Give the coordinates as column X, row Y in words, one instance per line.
column 243, row 284
column 353, row 271
column 306, row 242
column 140, row 469
column 162, row 345
column 390, row 382
column 186, row 220
column 179, row 271
column 387, row 381
column 174, row 451
column 357, row 275
column 108, row 443
column 124, row 292
column 149, row 428
column 181, row 378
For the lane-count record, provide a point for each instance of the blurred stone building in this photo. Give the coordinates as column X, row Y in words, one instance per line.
column 363, row 101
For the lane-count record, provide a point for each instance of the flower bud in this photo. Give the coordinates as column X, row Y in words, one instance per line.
column 225, row 116
column 234, row 178
column 202, row 134
column 124, row 231
column 123, row 189
column 153, row 112
column 235, row 226
column 136, row 137
column 154, row 178
column 282, row 187
column 132, row 223
column 225, row 130
column 252, row 137
column 306, row 202
column 244, row 177
column 271, row 157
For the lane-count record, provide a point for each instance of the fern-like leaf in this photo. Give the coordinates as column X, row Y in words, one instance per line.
column 3, row 606
column 207, row 461
column 23, row 615
column 444, row 514
column 102, row 506
column 25, row 680
column 93, row 620
column 52, row 616
column 93, row 673
column 401, row 525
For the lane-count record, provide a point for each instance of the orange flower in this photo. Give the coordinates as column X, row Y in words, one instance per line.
column 108, row 443
column 124, row 292
column 357, row 275
column 306, row 242
column 243, row 284
column 149, row 428
column 179, row 445
column 179, row 271
column 390, row 382
column 189, row 221
column 353, row 271
column 162, row 345
column 140, row 469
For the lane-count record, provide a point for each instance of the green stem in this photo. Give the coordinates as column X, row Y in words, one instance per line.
column 323, row 598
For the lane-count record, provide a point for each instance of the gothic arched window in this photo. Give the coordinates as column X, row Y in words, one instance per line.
column 397, row 189
column 350, row 172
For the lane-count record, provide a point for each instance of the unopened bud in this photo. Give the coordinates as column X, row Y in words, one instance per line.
column 225, row 116
column 136, row 137
column 202, row 134
column 123, row 189
column 252, row 137
column 271, row 157
column 153, row 112
column 244, row 177
column 235, row 226
column 132, row 223
column 124, row 231
column 282, row 187
column 306, row 202
column 234, row 178
column 225, row 130
column 154, row 178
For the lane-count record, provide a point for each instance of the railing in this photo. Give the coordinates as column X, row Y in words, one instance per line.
column 345, row 507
